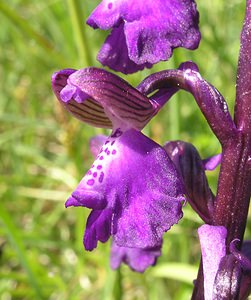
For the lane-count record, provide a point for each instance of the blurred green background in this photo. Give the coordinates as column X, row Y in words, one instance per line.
column 44, row 153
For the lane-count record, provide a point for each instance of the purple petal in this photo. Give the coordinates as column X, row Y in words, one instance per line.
column 98, row 228
column 152, row 29
column 189, row 65
column 162, row 96
column 137, row 259
column 212, row 162
column 213, row 248
column 72, row 202
column 188, row 162
column 77, row 102
column 134, row 177
column 59, row 80
column 122, row 103
column 114, row 53
column 98, row 97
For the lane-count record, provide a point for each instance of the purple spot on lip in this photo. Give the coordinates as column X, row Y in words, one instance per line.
column 93, row 166
column 99, row 167
column 108, row 152
column 117, row 133
column 110, row 5
column 101, row 177
column 91, row 182
column 106, row 149
column 95, row 174
column 101, row 157
column 89, row 172
column 113, row 143
column 107, row 142
column 114, row 152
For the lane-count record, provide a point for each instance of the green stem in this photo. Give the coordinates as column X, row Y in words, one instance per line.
column 78, row 25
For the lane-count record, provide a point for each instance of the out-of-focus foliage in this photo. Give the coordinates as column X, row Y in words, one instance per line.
column 44, row 152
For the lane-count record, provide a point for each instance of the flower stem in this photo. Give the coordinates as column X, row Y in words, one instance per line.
column 79, row 31
column 243, row 87
column 234, row 188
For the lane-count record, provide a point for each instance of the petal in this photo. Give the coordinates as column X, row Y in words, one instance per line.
column 212, row 162
column 77, row 102
column 187, row 160
column 59, row 80
column 98, row 228
column 162, row 96
column 72, row 202
column 137, row 259
column 213, row 248
column 152, row 28
column 121, row 102
column 135, row 178
column 114, row 53
column 98, row 97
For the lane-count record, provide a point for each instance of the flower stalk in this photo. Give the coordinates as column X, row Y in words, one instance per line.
column 234, row 188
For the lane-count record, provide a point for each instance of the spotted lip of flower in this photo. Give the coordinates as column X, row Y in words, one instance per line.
column 133, row 188
column 144, row 33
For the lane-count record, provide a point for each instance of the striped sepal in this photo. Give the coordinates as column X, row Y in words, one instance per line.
column 89, row 111
column 121, row 101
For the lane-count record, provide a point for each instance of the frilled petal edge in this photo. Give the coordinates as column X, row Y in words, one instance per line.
column 137, row 259
column 148, row 33
column 133, row 188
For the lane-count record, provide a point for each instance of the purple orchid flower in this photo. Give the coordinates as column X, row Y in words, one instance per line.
column 133, row 187
column 192, row 171
column 144, row 32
